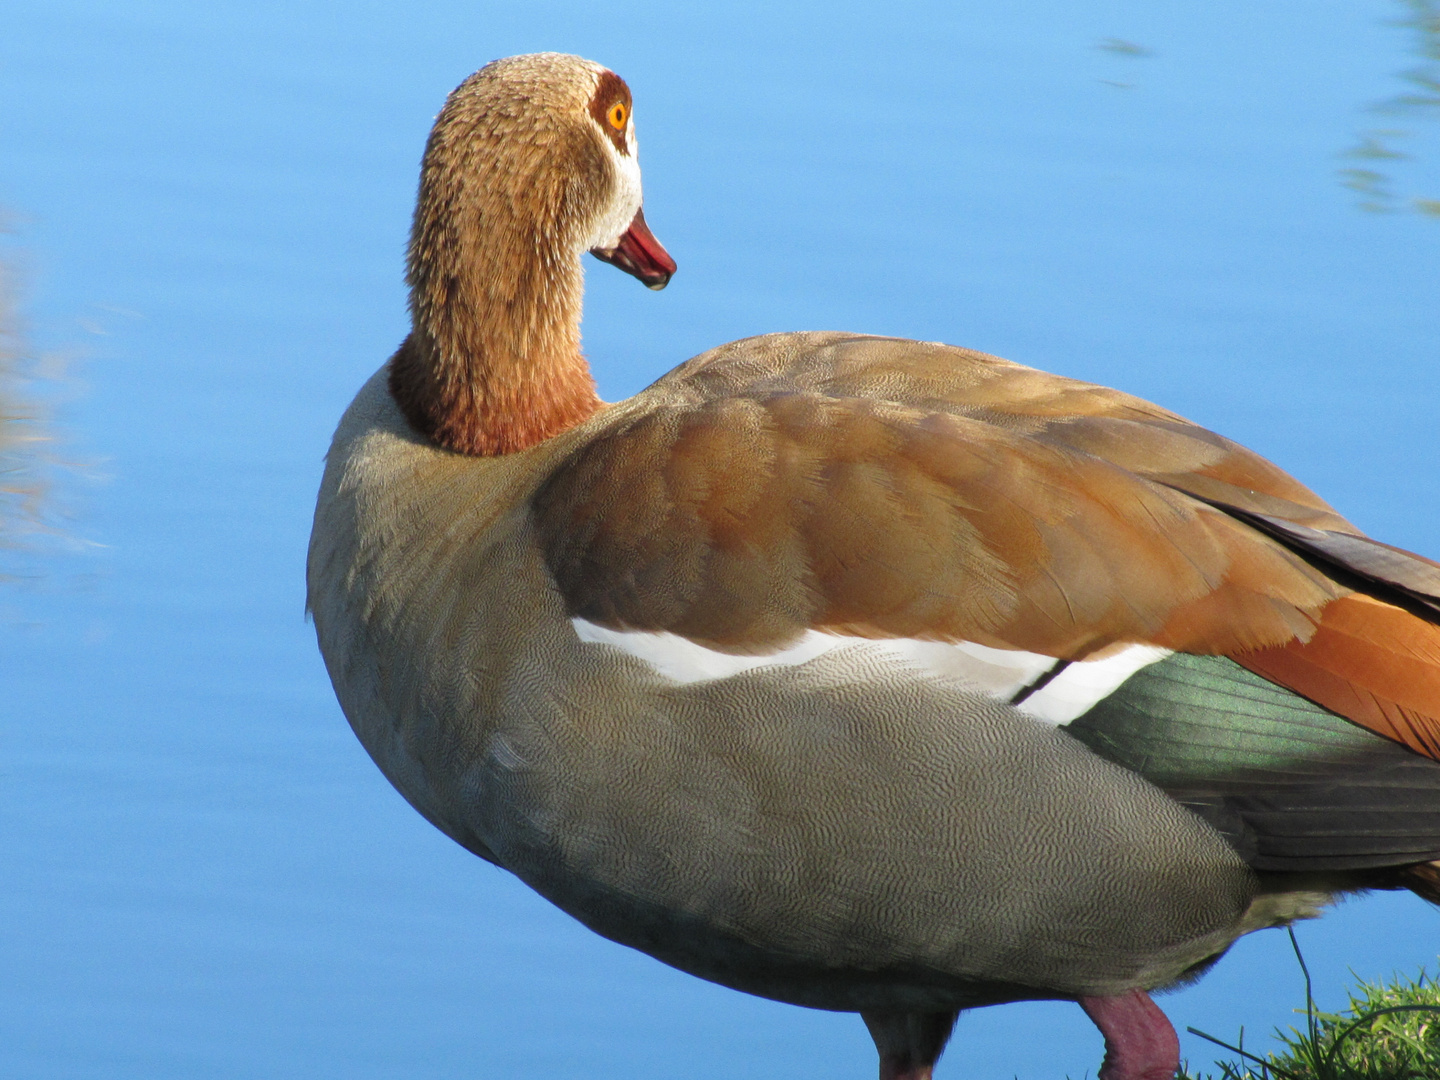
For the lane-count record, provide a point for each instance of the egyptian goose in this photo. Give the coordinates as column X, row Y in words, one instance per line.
column 859, row 673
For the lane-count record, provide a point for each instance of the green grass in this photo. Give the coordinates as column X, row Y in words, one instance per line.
column 1388, row 1032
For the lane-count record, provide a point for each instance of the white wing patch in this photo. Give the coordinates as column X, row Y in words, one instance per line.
column 684, row 661
column 1080, row 685
column 998, row 673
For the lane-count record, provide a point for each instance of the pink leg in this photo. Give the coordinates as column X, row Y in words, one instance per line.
column 1140, row 1044
column 909, row 1043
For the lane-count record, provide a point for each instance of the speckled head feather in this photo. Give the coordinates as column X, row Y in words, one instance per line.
column 519, row 179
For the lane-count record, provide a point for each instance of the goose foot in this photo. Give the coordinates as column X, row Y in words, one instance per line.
column 909, row 1043
column 1140, row 1044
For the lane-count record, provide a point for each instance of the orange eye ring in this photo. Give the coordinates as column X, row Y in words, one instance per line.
column 617, row 115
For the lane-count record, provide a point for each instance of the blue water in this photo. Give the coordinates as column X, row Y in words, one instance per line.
column 203, row 875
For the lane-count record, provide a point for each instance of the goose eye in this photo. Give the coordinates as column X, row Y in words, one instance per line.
column 617, row 115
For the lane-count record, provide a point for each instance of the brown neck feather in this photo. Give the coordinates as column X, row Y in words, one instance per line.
column 493, row 363
column 479, row 407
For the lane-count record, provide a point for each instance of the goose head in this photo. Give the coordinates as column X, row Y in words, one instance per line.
column 532, row 162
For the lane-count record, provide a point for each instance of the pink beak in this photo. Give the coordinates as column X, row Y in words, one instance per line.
column 640, row 255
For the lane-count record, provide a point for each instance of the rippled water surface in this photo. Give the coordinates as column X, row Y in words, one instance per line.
column 203, row 875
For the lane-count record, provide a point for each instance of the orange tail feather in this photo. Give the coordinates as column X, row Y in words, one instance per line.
column 1375, row 664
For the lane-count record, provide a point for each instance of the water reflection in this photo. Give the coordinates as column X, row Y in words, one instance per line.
column 1121, row 47
column 1377, row 153
column 1128, row 50
column 22, row 468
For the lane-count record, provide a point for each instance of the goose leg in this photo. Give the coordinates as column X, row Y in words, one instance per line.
column 1140, row 1044
column 909, row 1043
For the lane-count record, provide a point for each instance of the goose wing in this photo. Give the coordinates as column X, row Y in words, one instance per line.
column 893, row 489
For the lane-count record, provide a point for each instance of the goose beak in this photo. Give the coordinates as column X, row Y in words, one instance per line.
column 640, row 255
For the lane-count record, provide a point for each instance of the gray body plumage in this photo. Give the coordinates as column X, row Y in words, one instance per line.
column 846, row 834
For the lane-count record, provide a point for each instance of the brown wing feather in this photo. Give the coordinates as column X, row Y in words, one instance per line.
column 888, row 488
column 1130, row 432
column 1392, row 573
